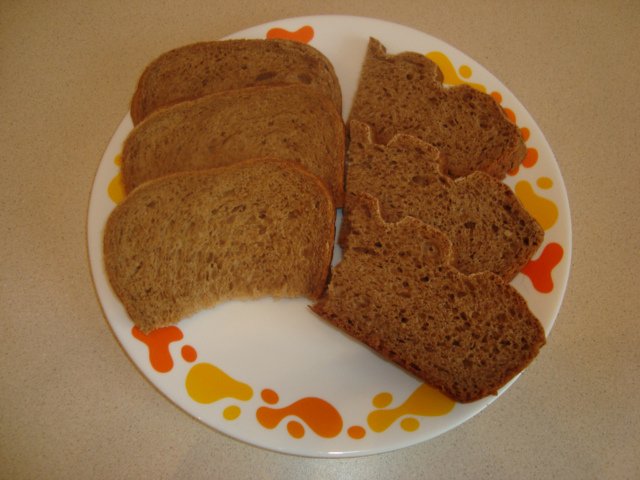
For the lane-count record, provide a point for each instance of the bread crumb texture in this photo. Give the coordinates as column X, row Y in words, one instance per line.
column 404, row 93
column 203, row 68
column 289, row 122
column 396, row 291
column 489, row 228
column 188, row 241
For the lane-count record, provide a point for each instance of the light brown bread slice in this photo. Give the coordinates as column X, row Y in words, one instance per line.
column 489, row 228
column 291, row 122
column 403, row 93
column 202, row 68
column 396, row 291
column 188, row 241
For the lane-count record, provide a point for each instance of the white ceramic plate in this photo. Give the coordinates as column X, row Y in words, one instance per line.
column 273, row 374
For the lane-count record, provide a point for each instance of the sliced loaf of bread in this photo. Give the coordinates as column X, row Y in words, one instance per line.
column 291, row 122
column 404, row 93
column 202, row 68
column 489, row 228
column 190, row 240
column 396, row 291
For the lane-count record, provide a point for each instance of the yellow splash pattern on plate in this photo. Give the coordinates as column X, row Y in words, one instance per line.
column 115, row 190
column 451, row 76
column 206, row 383
column 424, row 401
column 231, row 412
column 542, row 209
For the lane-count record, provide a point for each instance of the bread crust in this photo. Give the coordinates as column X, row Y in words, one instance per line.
column 291, row 122
column 203, row 68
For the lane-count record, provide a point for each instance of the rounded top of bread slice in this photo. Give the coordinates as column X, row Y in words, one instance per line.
column 290, row 122
column 403, row 93
column 202, row 68
column 190, row 240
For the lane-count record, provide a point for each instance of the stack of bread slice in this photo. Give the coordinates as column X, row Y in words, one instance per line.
column 291, row 122
column 233, row 173
column 431, row 236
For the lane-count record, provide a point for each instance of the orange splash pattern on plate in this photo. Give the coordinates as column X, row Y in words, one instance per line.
column 542, row 209
column 189, row 353
column 539, row 270
column 449, row 71
column 356, row 432
column 206, row 383
column 157, row 341
column 115, row 190
column 302, row 35
column 424, row 401
column 318, row 414
column 531, row 158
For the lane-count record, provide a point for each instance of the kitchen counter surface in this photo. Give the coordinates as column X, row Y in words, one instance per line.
column 72, row 404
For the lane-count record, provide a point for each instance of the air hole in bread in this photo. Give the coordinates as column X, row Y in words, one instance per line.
column 420, row 180
column 265, row 76
column 304, row 78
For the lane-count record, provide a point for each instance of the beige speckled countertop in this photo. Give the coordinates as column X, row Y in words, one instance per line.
column 72, row 405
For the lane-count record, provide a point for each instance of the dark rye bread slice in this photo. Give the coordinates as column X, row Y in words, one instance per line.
column 188, row 241
column 291, row 122
column 489, row 228
column 202, row 68
column 396, row 291
column 403, row 93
